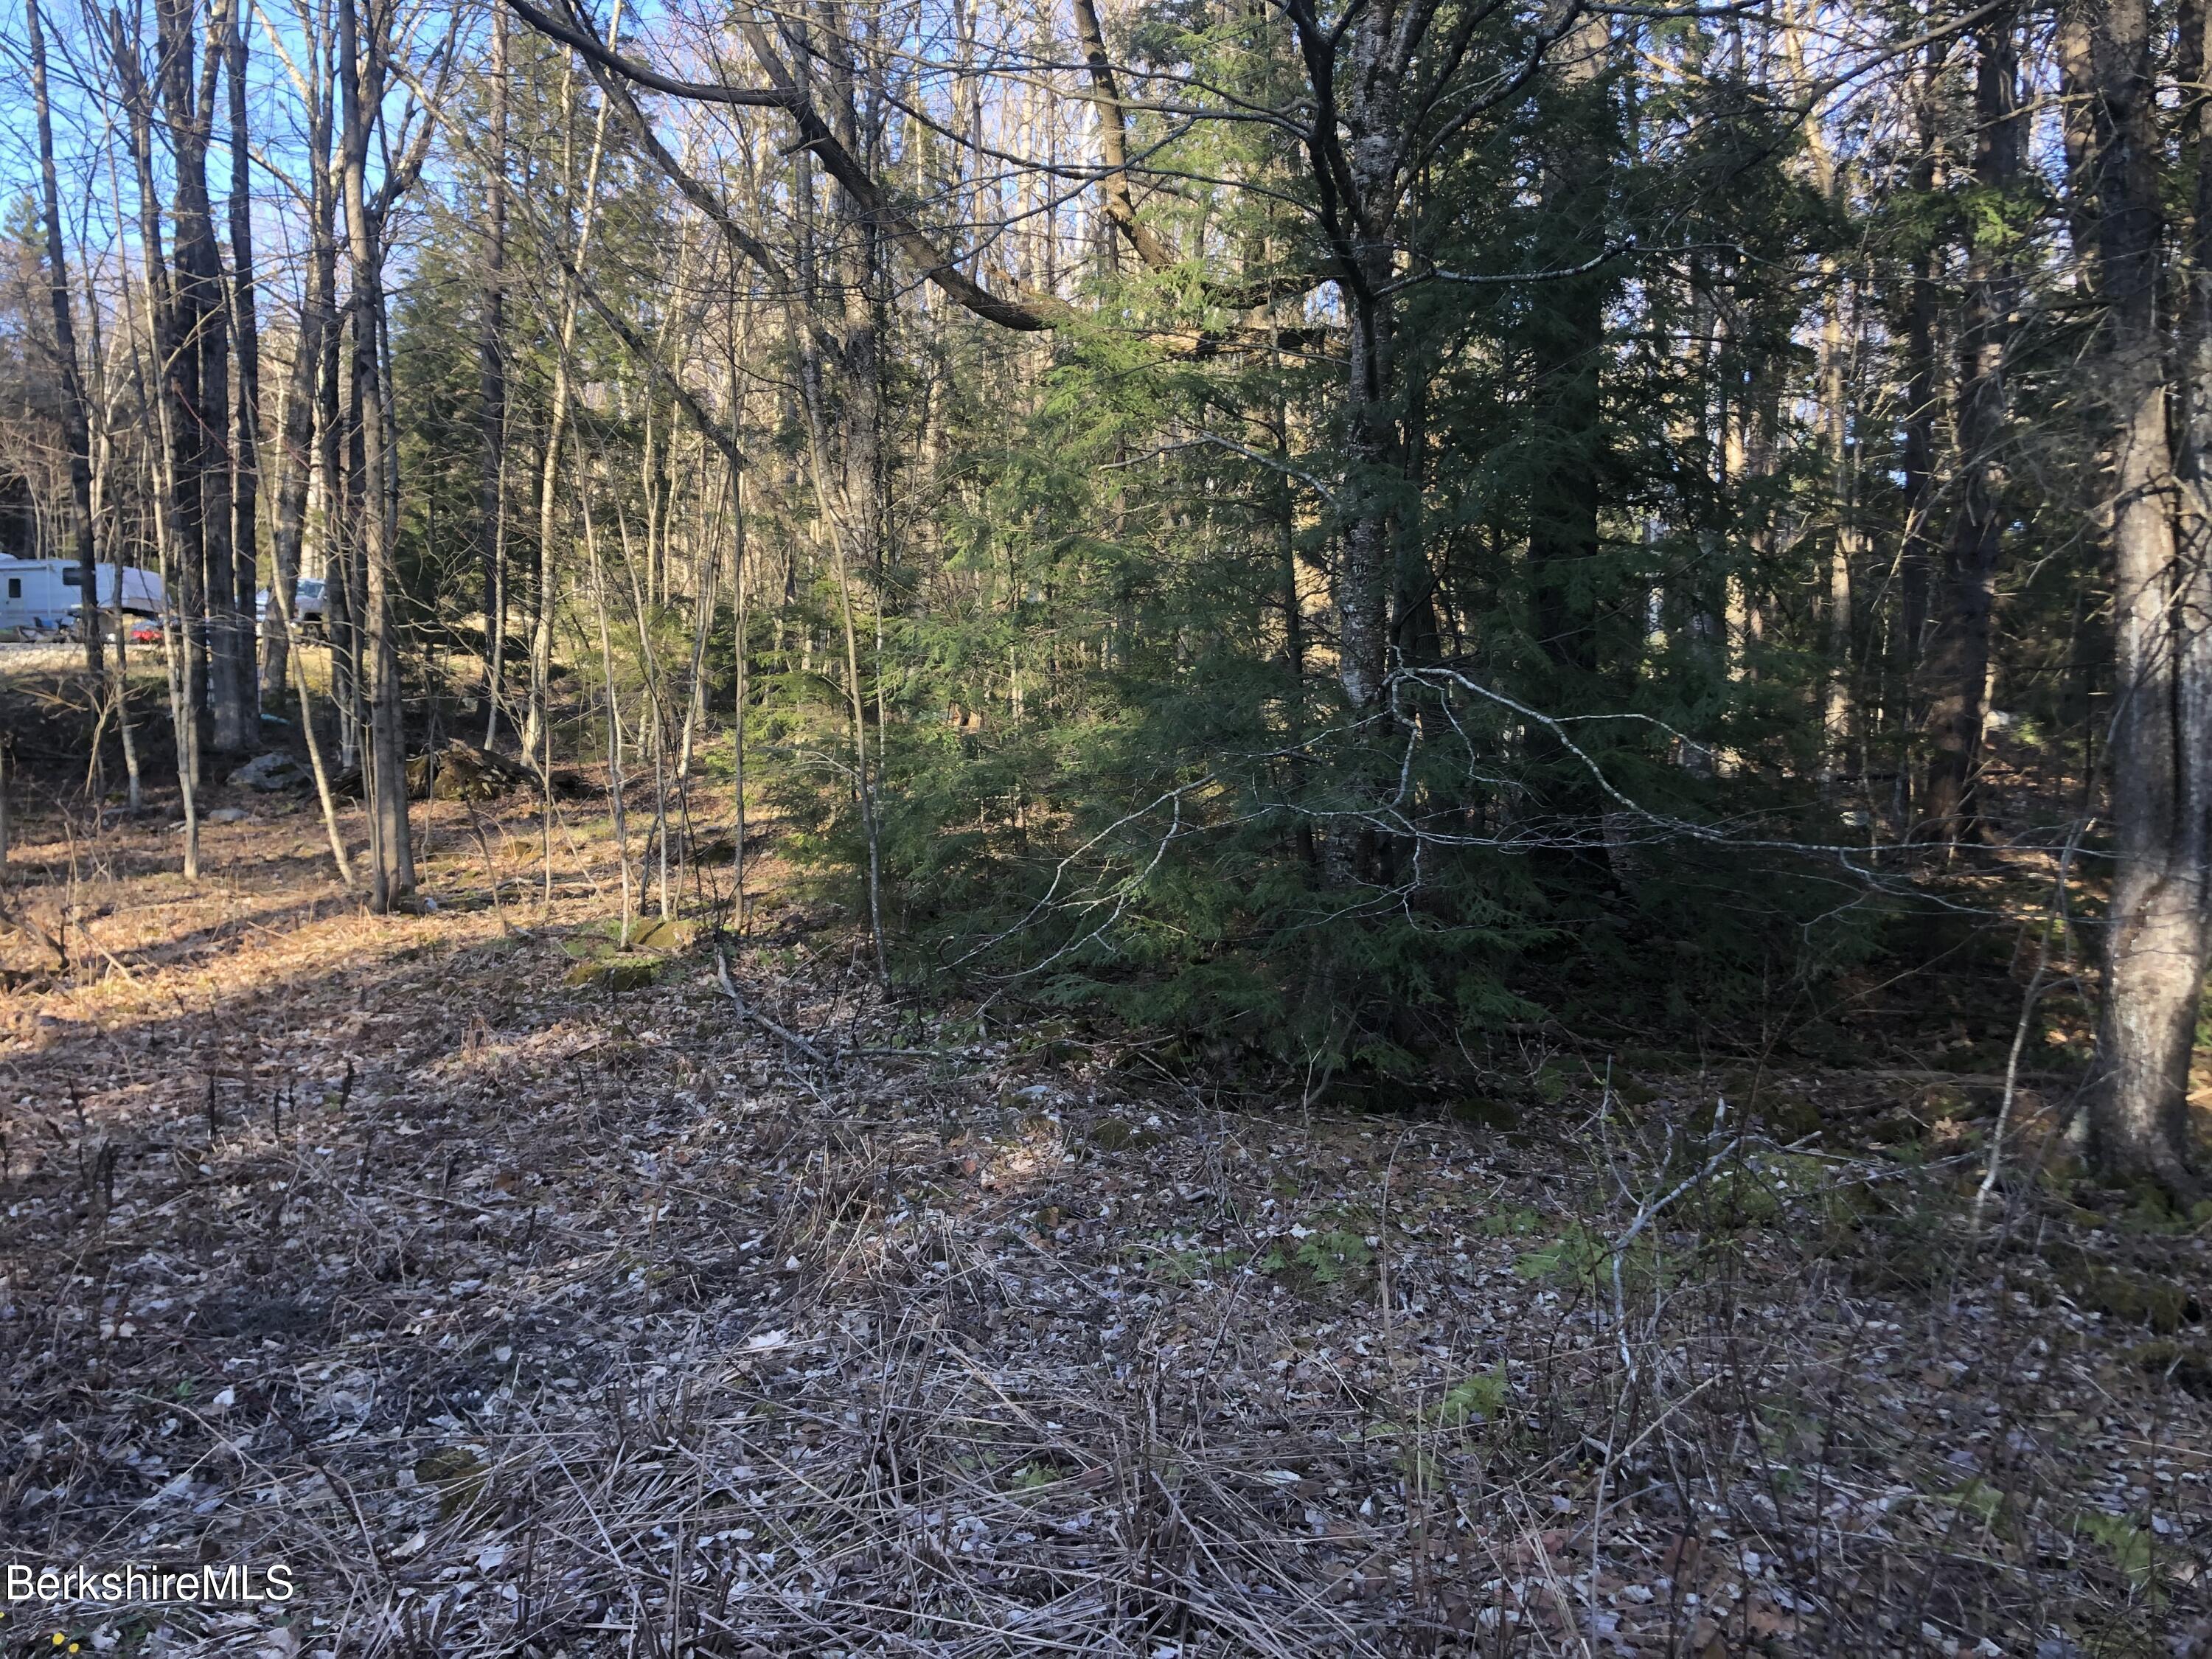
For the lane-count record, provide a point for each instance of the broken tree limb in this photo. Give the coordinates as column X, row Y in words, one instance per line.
column 792, row 1040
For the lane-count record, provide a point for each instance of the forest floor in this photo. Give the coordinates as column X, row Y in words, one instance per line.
column 523, row 1294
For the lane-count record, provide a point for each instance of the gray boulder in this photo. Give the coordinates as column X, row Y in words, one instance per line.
column 269, row 773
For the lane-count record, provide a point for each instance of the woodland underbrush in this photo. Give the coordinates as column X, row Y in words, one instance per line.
column 719, row 1306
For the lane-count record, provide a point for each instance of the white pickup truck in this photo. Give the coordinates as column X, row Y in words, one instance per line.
column 310, row 605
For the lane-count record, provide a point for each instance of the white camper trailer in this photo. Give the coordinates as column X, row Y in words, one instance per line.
column 33, row 598
column 44, row 596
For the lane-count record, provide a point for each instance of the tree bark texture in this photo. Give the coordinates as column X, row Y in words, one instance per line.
column 76, row 428
column 1958, row 654
column 492, row 379
column 245, row 443
column 2156, row 936
column 361, row 81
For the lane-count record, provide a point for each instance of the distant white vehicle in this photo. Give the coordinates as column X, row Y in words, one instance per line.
column 310, row 605
column 45, row 595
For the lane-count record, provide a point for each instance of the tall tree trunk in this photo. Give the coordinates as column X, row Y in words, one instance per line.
column 1565, row 342
column 362, row 85
column 2156, row 934
column 2193, row 362
column 857, row 515
column 337, row 432
column 1285, row 516
column 246, row 444
column 617, row 793
column 856, row 703
column 1846, row 547
column 304, row 417
column 295, row 437
column 538, row 737
column 76, row 428
column 1113, row 136
column 1917, row 555
column 165, row 396
column 832, row 291
column 100, row 395
column 203, row 372
column 1566, row 345
column 179, row 356
column 1356, row 149
column 1416, row 633
column 2073, row 44
column 1370, row 450
column 742, row 642
column 1959, row 655
column 1846, row 542
column 492, row 381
